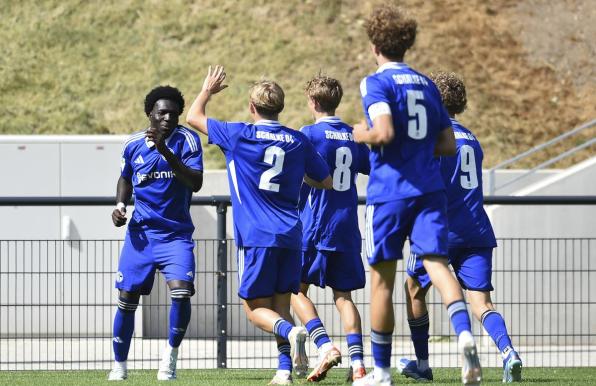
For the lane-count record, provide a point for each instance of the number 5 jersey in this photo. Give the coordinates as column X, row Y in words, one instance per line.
column 406, row 167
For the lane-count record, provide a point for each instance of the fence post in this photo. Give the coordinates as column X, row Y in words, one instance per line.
column 222, row 285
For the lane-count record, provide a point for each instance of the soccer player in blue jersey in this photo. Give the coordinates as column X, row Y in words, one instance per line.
column 331, row 240
column 406, row 195
column 471, row 241
column 162, row 166
column 266, row 163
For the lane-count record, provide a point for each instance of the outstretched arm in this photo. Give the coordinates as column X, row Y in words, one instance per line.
column 196, row 116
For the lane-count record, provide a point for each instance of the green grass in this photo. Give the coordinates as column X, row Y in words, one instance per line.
column 535, row 376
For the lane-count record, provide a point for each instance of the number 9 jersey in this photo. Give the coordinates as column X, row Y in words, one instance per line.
column 406, row 167
column 266, row 164
column 469, row 225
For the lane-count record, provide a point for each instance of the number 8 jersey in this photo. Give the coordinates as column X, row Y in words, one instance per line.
column 330, row 217
column 266, row 164
column 469, row 225
column 406, row 167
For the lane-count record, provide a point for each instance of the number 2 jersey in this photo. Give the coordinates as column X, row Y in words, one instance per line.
column 406, row 167
column 266, row 164
column 469, row 225
column 330, row 217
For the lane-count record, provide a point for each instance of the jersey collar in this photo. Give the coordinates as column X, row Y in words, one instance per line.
column 391, row 65
column 267, row 122
column 332, row 119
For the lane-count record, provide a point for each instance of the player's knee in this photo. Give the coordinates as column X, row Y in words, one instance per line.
column 127, row 303
column 341, row 296
column 414, row 289
column 181, row 293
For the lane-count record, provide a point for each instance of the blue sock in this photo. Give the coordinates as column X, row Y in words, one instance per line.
column 282, row 328
column 419, row 334
column 355, row 348
column 460, row 320
column 179, row 319
column 285, row 361
column 317, row 332
column 495, row 326
column 124, row 325
column 381, row 348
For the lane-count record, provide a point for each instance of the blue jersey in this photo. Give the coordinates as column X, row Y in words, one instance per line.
column 266, row 165
column 406, row 167
column 162, row 202
column 330, row 217
column 469, row 225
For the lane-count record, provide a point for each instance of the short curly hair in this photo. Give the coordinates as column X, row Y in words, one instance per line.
column 452, row 89
column 325, row 91
column 391, row 31
column 163, row 92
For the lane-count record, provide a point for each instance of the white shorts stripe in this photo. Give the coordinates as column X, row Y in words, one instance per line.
column 370, row 240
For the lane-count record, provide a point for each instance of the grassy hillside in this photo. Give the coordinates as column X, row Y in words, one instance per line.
column 84, row 67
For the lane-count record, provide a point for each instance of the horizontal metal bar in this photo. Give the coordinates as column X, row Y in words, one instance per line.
column 97, row 201
column 544, row 145
column 549, row 162
column 215, row 200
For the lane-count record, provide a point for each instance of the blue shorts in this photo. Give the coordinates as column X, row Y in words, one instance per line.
column 473, row 268
column 265, row 271
column 342, row 271
column 141, row 256
column 423, row 219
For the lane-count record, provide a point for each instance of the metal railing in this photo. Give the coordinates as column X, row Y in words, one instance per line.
column 57, row 302
column 493, row 187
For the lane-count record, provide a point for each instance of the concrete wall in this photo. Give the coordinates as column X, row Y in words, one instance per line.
column 89, row 166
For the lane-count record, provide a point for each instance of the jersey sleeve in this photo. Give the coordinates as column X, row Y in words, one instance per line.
column 375, row 100
column 192, row 153
column 315, row 166
column 363, row 159
column 223, row 134
column 125, row 165
column 304, row 192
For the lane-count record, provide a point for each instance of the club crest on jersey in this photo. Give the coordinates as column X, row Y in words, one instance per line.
column 119, row 277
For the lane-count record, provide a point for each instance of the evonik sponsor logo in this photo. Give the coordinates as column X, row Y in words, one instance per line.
column 156, row 175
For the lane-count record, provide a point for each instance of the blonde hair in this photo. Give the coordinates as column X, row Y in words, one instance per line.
column 325, row 91
column 267, row 97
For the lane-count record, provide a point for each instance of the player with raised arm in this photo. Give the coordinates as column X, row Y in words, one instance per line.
column 162, row 165
column 266, row 163
column 331, row 241
column 471, row 242
column 406, row 195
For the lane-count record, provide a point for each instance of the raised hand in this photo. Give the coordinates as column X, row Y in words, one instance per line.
column 213, row 82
